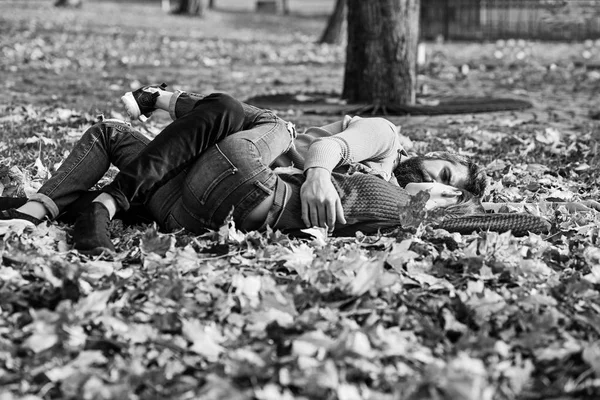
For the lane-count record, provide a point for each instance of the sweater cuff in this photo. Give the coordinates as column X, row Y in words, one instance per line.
column 173, row 103
column 325, row 153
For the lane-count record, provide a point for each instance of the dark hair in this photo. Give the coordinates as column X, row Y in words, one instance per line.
column 467, row 204
column 476, row 177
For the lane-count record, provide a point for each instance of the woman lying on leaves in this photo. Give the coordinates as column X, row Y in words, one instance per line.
column 221, row 157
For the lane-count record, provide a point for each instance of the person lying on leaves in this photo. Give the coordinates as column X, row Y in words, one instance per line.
column 220, row 156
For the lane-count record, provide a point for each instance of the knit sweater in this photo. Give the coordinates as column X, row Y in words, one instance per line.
column 365, row 198
column 371, row 204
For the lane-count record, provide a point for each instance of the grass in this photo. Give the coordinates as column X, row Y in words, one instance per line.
column 245, row 53
column 48, row 51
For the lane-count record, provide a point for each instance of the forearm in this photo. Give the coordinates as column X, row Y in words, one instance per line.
column 370, row 139
column 363, row 139
column 326, row 154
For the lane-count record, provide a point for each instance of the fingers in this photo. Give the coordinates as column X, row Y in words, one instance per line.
column 305, row 213
column 339, row 211
column 321, row 205
column 322, row 214
column 331, row 214
column 314, row 216
column 328, row 214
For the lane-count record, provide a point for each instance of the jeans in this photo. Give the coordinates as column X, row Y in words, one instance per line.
column 232, row 176
column 105, row 143
column 213, row 160
column 213, row 118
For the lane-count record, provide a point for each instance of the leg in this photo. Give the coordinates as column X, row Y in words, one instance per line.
column 156, row 168
column 176, row 147
column 233, row 175
column 179, row 103
column 141, row 103
column 104, row 143
column 12, row 202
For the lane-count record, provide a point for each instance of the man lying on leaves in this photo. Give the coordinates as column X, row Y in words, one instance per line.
column 221, row 156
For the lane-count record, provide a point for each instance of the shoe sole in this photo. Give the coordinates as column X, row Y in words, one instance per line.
column 132, row 108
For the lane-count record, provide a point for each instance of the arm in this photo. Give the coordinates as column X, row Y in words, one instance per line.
column 363, row 139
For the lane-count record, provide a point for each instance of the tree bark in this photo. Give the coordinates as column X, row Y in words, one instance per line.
column 68, row 3
column 381, row 52
column 190, row 7
column 211, row 4
column 335, row 24
column 285, row 7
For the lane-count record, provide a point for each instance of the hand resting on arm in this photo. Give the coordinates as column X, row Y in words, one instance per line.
column 321, row 204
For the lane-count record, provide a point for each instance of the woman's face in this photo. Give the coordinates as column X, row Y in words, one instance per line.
column 440, row 195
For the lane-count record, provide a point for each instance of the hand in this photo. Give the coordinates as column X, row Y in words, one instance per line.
column 321, row 204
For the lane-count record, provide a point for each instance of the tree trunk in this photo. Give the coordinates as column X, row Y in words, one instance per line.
column 335, row 24
column 285, row 7
column 67, row 3
column 190, row 7
column 381, row 52
column 211, row 4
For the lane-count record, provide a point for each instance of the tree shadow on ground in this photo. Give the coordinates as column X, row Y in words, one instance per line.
column 330, row 104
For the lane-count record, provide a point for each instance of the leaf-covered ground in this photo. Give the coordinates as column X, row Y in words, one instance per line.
column 231, row 315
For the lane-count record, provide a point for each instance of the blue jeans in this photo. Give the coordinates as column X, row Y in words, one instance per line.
column 232, row 176
column 105, row 143
column 213, row 160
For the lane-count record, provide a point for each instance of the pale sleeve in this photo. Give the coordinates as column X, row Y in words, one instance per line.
column 373, row 139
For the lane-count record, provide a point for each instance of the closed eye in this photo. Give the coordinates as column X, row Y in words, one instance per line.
column 446, row 176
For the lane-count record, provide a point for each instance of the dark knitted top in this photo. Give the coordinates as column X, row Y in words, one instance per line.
column 365, row 198
column 372, row 204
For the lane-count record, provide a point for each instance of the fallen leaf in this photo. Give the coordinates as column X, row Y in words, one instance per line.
column 206, row 339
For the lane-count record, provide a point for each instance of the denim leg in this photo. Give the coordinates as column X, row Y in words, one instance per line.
column 183, row 103
column 233, row 175
column 109, row 142
column 215, row 117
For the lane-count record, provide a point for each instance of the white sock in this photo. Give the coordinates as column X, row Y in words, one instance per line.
column 163, row 101
column 34, row 209
column 107, row 201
